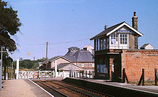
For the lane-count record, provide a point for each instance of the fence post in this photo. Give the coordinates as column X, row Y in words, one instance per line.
column 142, row 78
column 74, row 75
column 82, row 74
column 89, row 74
column 70, row 73
column 155, row 76
column 123, row 75
column 17, row 69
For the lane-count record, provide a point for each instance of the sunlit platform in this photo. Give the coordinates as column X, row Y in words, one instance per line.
column 114, row 88
column 22, row 88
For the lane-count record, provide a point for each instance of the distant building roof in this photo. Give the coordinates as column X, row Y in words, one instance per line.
column 54, row 58
column 111, row 29
column 74, row 55
column 80, row 56
column 84, row 56
column 147, row 46
column 88, row 46
column 72, row 50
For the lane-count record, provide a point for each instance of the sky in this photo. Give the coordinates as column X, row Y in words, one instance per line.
column 67, row 23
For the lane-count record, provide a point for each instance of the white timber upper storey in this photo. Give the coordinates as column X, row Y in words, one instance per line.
column 119, row 36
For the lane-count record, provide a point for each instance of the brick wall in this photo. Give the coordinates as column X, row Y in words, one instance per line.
column 86, row 65
column 131, row 41
column 134, row 60
column 59, row 61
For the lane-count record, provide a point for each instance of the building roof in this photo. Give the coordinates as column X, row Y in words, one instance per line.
column 145, row 45
column 88, row 46
column 74, row 55
column 112, row 29
column 71, row 51
column 54, row 58
column 74, row 48
column 84, row 56
column 80, row 56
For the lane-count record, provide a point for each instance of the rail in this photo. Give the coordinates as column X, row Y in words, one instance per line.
column 69, row 90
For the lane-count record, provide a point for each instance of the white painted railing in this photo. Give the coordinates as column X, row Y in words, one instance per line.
column 51, row 74
column 33, row 74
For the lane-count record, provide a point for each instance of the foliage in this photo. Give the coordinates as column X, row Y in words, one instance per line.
column 6, row 59
column 41, row 60
column 28, row 64
column 61, row 70
column 9, row 25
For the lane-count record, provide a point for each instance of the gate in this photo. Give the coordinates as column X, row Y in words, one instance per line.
column 33, row 74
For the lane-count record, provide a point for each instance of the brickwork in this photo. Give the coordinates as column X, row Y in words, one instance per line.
column 131, row 42
column 85, row 65
column 59, row 61
column 134, row 60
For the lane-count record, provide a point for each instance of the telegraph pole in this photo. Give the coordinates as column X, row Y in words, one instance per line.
column 34, row 60
column 46, row 54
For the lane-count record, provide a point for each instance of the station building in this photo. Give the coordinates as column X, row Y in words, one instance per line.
column 116, row 48
column 76, row 60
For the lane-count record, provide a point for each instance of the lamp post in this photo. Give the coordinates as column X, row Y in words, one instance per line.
column 12, row 68
column 2, row 47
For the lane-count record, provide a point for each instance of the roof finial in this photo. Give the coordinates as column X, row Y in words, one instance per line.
column 105, row 27
column 134, row 13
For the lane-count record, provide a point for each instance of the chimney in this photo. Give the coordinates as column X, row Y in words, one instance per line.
column 135, row 21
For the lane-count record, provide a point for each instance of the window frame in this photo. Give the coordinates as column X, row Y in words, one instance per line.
column 114, row 38
column 82, row 65
column 123, row 39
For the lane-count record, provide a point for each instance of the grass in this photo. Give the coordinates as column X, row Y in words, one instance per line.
column 146, row 83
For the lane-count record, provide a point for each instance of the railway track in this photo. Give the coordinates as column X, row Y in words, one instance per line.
column 61, row 89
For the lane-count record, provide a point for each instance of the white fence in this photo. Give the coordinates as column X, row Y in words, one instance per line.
column 51, row 74
column 42, row 74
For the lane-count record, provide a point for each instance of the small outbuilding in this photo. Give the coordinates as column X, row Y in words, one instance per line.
column 147, row 46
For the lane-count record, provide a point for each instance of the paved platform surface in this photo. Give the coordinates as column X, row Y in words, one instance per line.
column 115, row 89
column 21, row 88
column 148, row 89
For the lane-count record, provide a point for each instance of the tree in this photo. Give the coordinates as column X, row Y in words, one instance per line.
column 27, row 63
column 7, row 61
column 9, row 25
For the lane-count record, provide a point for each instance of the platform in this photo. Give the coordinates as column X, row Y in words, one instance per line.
column 114, row 88
column 22, row 88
